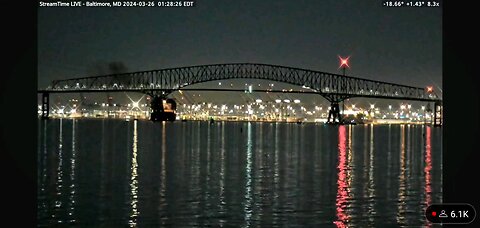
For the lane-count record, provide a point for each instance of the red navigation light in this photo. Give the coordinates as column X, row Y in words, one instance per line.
column 429, row 89
column 344, row 62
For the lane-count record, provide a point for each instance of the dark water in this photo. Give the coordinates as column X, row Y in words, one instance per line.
column 113, row 173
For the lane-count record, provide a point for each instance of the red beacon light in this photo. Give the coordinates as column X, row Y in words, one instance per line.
column 343, row 62
column 429, row 89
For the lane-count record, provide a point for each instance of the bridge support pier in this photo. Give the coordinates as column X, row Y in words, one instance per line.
column 334, row 113
column 163, row 109
column 45, row 105
column 437, row 114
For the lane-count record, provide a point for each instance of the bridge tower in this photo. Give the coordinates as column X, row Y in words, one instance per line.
column 163, row 108
column 334, row 115
column 45, row 105
column 438, row 114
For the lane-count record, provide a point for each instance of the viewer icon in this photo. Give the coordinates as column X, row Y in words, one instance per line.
column 442, row 214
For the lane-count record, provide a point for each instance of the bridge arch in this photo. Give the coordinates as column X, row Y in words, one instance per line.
column 334, row 87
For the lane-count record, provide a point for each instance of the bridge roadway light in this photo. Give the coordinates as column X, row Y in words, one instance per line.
column 286, row 101
column 296, row 101
column 278, row 101
column 258, row 100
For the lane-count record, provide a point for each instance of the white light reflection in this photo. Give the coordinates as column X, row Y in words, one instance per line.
column 371, row 180
column 72, row 176
column 134, row 180
column 248, row 173
column 59, row 182
column 163, row 174
column 401, row 205
column 44, row 164
column 222, row 175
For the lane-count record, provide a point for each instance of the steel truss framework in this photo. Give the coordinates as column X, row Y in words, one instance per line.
column 334, row 87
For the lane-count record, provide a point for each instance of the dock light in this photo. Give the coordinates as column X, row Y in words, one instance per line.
column 409, row 106
column 390, row 107
column 135, row 104
column 423, row 107
column 353, row 106
column 372, row 106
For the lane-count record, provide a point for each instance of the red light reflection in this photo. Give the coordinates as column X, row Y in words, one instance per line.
column 428, row 167
column 342, row 192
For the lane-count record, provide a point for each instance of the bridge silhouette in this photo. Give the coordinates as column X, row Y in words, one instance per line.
column 162, row 82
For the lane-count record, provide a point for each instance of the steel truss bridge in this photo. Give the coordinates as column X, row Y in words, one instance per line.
column 160, row 83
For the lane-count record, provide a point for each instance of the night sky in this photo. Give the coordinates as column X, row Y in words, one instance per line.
column 401, row 45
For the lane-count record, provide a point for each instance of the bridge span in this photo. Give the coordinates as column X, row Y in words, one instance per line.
column 162, row 82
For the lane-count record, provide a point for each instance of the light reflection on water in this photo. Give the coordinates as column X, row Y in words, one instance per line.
column 140, row 173
column 134, row 181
